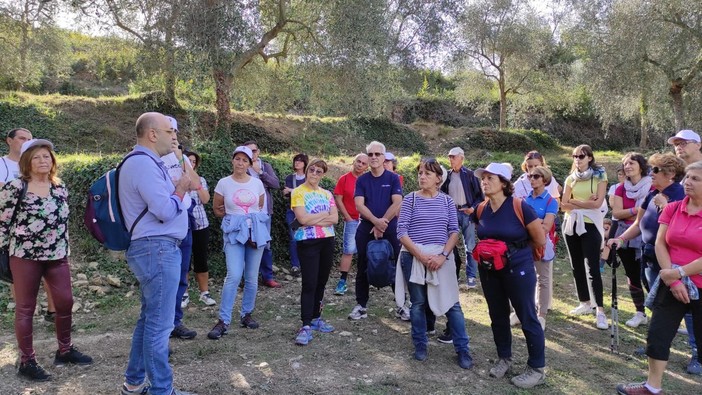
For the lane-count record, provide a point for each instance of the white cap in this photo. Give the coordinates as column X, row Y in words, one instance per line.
column 389, row 156
column 456, row 151
column 245, row 150
column 174, row 123
column 499, row 169
column 686, row 134
column 31, row 143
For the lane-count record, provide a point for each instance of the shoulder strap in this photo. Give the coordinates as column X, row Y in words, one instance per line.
column 7, row 169
column 481, row 207
column 23, row 193
column 517, row 204
column 119, row 206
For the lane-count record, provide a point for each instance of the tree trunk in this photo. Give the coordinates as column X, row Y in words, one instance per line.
column 169, row 71
column 643, row 116
column 503, row 102
column 223, row 86
column 677, row 102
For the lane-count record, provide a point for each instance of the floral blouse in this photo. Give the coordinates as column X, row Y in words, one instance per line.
column 40, row 231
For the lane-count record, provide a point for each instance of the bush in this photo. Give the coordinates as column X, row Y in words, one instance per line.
column 504, row 141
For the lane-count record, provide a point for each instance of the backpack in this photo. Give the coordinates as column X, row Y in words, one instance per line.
column 103, row 215
column 537, row 252
column 381, row 268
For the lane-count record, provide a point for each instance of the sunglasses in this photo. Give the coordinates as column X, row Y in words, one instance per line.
column 372, row 154
column 316, row 171
column 656, row 169
column 534, row 176
column 581, row 156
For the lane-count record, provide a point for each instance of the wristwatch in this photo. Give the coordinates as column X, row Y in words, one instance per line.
column 445, row 254
column 681, row 271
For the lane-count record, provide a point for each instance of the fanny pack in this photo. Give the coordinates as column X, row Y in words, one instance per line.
column 491, row 254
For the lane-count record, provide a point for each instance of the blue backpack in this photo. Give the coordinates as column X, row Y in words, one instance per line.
column 381, row 263
column 103, row 214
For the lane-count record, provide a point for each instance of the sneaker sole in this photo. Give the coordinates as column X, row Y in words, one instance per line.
column 445, row 341
column 33, row 379
column 359, row 318
column 339, row 293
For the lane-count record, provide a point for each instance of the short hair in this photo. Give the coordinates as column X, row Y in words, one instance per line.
column 302, row 158
column 694, row 166
column 25, row 163
column 375, row 144
column 13, row 132
column 195, row 154
column 317, row 163
column 530, row 156
column 249, row 142
column 669, row 163
column 545, row 172
column 145, row 122
column 358, row 156
column 638, row 158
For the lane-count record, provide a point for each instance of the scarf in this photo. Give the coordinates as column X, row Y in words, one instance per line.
column 639, row 191
column 582, row 175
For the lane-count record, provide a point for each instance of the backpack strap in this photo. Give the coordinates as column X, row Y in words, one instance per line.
column 517, row 204
column 481, row 207
column 119, row 206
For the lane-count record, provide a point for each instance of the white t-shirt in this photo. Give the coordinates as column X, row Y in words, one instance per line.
column 522, row 187
column 240, row 198
column 9, row 170
column 175, row 171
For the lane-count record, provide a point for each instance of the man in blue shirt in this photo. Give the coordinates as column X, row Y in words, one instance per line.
column 153, row 254
column 378, row 198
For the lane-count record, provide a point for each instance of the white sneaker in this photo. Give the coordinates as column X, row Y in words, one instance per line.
column 207, row 299
column 542, row 321
column 186, row 300
column 638, row 319
column 602, row 321
column 583, row 309
column 513, row 320
column 358, row 312
column 402, row 313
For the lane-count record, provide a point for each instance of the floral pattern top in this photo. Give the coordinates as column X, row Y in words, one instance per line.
column 40, row 232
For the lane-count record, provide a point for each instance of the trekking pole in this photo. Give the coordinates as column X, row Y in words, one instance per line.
column 614, row 337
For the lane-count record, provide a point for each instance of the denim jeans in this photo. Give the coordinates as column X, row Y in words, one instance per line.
column 186, row 250
column 468, row 231
column 349, row 245
column 294, row 259
column 406, row 263
column 241, row 260
column 418, row 317
column 155, row 262
column 266, row 261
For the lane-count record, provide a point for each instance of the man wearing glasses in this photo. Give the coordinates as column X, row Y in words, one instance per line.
column 378, row 198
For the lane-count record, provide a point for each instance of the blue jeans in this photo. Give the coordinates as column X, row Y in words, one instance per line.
column 186, row 250
column 516, row 285
column 468, row 231
column 266, row 264
column 406, row 263
column 241, row 260
column 155, row 262
column 294, row 260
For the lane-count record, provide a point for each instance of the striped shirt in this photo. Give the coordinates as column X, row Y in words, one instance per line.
column 427, row 220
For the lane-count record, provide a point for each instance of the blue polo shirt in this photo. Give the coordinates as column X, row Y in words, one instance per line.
column 377, row 192
column 649, row 221
column 543, row 204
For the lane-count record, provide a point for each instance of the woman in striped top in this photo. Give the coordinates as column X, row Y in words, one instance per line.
column 427, row 228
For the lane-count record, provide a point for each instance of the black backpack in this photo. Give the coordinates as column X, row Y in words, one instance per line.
column 381, row 263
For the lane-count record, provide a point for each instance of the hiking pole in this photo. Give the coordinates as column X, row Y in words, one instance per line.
column 614, row 337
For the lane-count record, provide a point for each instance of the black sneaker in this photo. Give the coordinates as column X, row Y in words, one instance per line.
column 72, row 356
column 33, row 371
column 445, row 337
column 50, row 317
column 295, row 271
column 218, row 331
column 248, row 322
column 182, row 332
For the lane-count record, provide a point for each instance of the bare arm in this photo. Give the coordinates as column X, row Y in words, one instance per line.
column 565, row 201
column 548, row 221
column 618, row 210
column 633, row 231
column 339, row 199
column 536, row 233
column 218, row 205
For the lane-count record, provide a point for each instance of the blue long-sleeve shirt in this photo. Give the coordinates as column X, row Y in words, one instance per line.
column 143, row 184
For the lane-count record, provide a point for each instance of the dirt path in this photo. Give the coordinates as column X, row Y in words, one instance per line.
column 373, row 356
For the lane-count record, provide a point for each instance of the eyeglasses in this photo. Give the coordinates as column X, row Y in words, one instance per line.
column 372, row 154
column 681, row 143
column 656, row 169
column 315, row 170
column 534, row 176
column 255, row 150
column 581, row 156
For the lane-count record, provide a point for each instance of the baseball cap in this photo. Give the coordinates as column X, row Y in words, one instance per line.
column 686, row 134
column 174, row 123
column 389, row 156
column 245, row 150
column 499, row 169
column 34, row 142
column 456, row 151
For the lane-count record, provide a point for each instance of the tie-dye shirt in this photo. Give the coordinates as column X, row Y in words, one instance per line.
column 314, row 201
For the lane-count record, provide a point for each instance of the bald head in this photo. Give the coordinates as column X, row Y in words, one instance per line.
column 148, row 120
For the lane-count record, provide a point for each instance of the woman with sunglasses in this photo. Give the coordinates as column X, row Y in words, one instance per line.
column 626, row 201
column 583, row 200
column 292, row 181
column 522, row 186
column 315, row 210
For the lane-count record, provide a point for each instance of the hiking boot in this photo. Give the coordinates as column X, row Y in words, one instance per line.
column 638, row 319
column 33, row 371
column 72, row 356
column 185, row 302
column 304, row 335
column 445, row 337
column 602, row 321
column 514, row 320
column 694, row 366
column 141, row 389
column 295, row 271
column 583, row 309
column 220, row 329
column 530, row 378
column 420, row 352
column 471, row 283
column 320, row 325
column 634, row 389
column 182, row 332
column 207, row 299
column 500, row 369
column 464, row 360
column 358, row 313
column 248, row 322
column 272, row 284
column 402, row 313
column 341, row 288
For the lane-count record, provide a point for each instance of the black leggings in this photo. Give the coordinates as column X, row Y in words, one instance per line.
column 316, row 260
column 582, row 247
column 632, row 268
column 201, row 238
